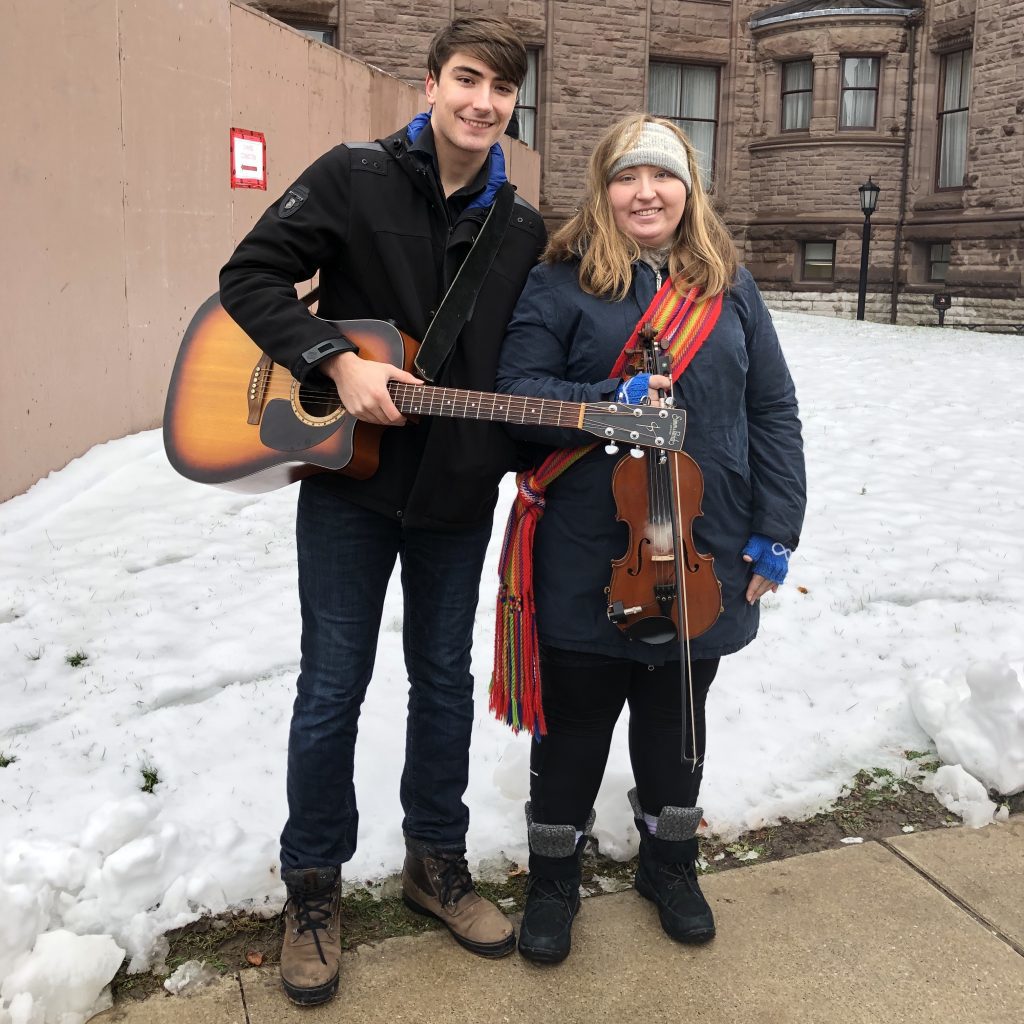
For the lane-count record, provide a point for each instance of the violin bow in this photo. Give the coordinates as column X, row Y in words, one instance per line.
column 657, row 361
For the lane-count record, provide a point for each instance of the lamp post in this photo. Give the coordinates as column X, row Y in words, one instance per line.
column 868, row 201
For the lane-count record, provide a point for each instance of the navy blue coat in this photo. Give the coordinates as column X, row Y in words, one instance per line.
column 742, row 429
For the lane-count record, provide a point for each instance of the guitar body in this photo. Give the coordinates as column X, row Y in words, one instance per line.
column 236, row 419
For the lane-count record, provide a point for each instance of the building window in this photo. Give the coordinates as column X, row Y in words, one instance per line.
column 688, row 95
column 954, row 101
column 526, row 103
column 319, row 33
column 797, row 78
column 859, row 98
column 938, row 261
column 819, row 261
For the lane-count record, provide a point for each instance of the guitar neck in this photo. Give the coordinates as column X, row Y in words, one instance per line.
column 457, row 403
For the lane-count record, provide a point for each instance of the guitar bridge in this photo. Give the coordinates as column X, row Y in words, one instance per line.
column 258, row 382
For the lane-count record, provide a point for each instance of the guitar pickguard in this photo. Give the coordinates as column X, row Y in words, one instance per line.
column 283, row 431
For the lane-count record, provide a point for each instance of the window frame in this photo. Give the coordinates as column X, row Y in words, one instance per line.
column 535, row 53
column 308, row 27
column 784, row 93
column 804, row 276
column 942, row 113
column 678, row 120
column 844, row 89
column 931, row 261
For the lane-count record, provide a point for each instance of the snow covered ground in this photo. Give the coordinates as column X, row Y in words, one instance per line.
column 149, row 630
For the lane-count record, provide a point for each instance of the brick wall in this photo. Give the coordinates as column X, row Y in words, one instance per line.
column 775, row 189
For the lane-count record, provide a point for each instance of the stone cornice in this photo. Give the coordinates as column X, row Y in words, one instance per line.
column 820, row 141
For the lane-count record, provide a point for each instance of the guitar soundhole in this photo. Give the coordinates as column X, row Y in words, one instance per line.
column 316, row 402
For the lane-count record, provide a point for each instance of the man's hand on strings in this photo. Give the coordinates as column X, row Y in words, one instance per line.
column 363, row 387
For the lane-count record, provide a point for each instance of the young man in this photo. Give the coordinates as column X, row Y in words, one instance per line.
column 388, row 225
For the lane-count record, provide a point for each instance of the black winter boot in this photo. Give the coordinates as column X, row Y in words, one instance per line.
column 667, row 872
column 552, row 891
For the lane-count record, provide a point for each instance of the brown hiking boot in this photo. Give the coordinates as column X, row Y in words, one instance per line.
column 437, row 883
column 311, row 954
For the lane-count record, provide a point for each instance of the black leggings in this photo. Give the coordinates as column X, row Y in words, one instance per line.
column 583, row 696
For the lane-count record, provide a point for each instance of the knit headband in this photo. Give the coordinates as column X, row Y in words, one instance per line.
column 656, row 146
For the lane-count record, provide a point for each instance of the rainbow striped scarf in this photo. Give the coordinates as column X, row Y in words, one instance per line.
column 682, row 323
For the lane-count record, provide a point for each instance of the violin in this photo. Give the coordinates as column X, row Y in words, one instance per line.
column 661, row 580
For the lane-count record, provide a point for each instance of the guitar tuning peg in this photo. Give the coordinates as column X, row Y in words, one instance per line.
column 637, row 453
column 611, row 448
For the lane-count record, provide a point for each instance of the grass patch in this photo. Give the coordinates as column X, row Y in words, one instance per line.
column 150, row 778
column 76, row 660
column 7, row 759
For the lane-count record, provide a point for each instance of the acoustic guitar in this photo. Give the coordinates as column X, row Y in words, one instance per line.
column 237, row 419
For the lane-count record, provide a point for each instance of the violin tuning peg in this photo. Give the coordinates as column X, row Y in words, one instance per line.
column 611, row 448
column 637, row 453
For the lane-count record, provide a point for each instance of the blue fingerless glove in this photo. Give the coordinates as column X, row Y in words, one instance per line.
column 634, row 390
column 770, row 558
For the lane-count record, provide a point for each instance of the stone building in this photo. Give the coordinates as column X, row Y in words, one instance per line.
column 793, row 107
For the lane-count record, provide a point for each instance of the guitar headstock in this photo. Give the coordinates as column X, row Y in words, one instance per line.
column 644, row 425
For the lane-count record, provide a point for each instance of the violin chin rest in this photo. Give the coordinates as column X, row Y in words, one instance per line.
column 653, row 629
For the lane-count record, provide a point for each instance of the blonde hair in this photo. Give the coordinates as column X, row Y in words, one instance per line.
column 702, row 252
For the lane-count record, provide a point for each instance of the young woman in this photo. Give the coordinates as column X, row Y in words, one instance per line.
column 645, row 221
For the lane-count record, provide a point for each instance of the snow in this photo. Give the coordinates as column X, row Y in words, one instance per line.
column 64, row 976
column 151, row 624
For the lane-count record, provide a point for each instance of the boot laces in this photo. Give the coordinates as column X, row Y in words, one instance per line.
column 455, row 878
column 681, row 875
column 557, row 890
column 313, row 911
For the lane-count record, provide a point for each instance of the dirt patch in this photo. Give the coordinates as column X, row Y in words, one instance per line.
column 874, row 805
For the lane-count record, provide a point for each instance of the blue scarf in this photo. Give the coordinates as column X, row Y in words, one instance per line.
column 495, row 171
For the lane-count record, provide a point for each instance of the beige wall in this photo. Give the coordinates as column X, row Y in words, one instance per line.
column 117, row 208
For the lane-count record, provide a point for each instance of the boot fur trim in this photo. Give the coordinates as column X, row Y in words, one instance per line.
column 554, row 841
column 675, row 824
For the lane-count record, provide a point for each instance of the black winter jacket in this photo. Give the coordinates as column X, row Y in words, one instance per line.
column 742, row 430
column 371, row 217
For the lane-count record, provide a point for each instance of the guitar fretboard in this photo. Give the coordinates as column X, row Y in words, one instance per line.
column 424, row 400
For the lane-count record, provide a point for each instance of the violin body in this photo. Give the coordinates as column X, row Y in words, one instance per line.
column 642, row 594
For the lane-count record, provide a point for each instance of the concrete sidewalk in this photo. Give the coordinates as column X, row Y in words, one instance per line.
column 924, row 928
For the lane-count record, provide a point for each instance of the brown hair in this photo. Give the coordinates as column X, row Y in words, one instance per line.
column 487, row 37
column 702, row 252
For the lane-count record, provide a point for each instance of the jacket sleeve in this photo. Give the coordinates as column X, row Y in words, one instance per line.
column 287, row 245
column 776, row 455
column 535, row 356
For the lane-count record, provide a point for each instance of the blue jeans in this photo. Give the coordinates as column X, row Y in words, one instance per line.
column 346, row 554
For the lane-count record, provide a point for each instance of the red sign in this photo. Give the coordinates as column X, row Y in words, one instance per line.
column 248, row 159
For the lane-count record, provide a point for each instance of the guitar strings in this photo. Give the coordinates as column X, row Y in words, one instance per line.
column 552, row 412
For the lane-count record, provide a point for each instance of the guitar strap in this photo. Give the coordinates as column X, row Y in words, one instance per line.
column 457, row 306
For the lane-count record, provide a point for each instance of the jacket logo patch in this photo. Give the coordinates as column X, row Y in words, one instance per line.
column 293, row 199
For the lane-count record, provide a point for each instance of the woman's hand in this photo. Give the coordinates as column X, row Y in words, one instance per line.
column 771, row 563
column 658, row 382
column 758, row 585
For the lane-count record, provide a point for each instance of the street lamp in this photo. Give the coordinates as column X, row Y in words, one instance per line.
column 868, row 201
